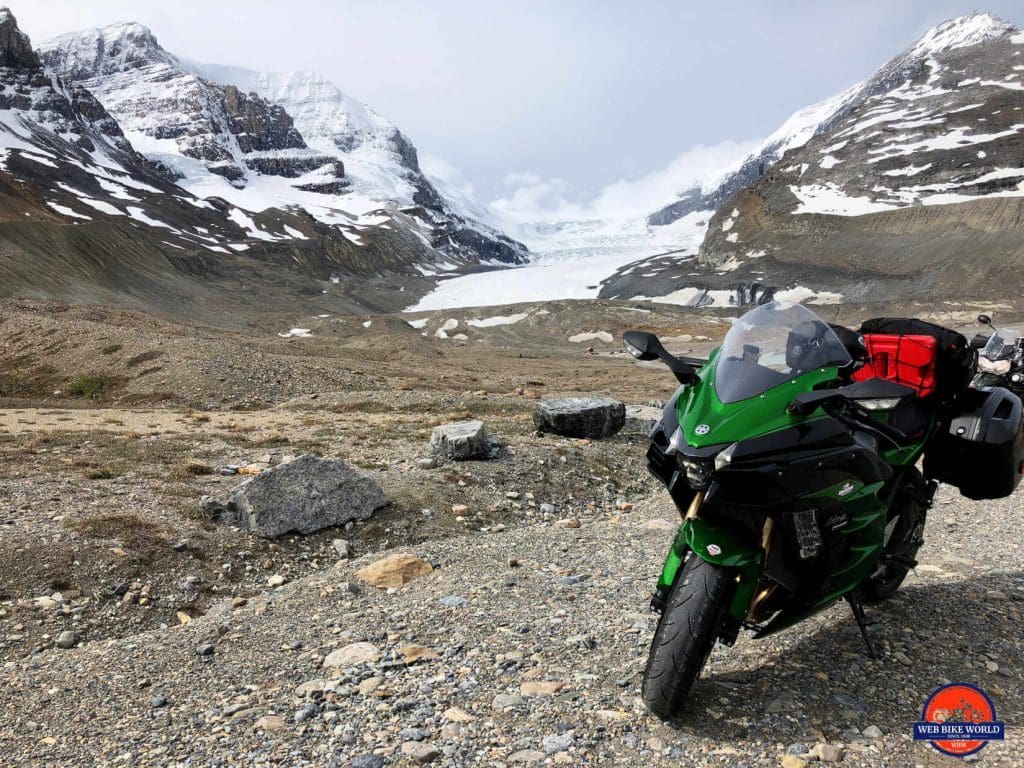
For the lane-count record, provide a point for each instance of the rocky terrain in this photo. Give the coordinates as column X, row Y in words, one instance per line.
column 905, row 186
column 136, row 629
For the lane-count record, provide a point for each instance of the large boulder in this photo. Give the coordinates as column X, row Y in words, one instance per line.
column 580, row 416
column 463, row 440
column 302, row 496
column 641, row 418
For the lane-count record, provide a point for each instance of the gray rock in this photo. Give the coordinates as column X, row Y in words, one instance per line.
column 463, row 441
column 66, row 639
column 526, row 756
column 305, row 495
column 558, row 743
column 306, row 713
column 507, row 701
column 872, row 732
column 367, row 761
column 420, row 752
column 343, row 548
column 454, row 601
column 641, row 418
column 206, row 649
column 158, row 701
column 580, row 416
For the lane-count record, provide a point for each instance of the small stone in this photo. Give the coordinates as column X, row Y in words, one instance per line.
column 526, row 756
column 792, row 761
column 426, row 463
column 368, row 761
column 547, row 509
column 395, row 571
column 238, row 602
column 872, row 732
column 66, row 639
column 456, row 715
column 306, row 713
column 459, row 509
column 507, row 701
column 558, row 742
column 453, row 601
column 206, row 649
column 276, row 580
column 352, row 655
column 369, row 685
column 541, row 687
column 902, row 658
column 181, row 546
column 828, row 753
column 270, row 723
column 158, row 701
column 413, row 653
column 420, row 752
column 343, row 548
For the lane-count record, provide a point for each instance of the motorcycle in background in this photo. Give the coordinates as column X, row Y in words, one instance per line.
column 1001, row 358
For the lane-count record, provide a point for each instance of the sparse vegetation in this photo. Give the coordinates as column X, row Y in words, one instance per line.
column 100, row 473
column 89, row 385
column 111, row 349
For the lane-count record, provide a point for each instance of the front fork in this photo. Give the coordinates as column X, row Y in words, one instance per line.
column 716, row 545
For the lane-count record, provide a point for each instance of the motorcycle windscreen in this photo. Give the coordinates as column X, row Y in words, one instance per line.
column 772, row 344
column 1001, row 345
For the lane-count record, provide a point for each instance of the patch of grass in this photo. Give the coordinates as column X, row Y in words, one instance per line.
column 90, row 385
column 132, row 530
column 193, row 468
column 111, row 349
column 273, row 439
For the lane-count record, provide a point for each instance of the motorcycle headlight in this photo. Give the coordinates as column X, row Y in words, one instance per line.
column 724, row 459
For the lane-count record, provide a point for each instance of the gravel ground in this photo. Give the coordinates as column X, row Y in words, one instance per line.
column 540, row 634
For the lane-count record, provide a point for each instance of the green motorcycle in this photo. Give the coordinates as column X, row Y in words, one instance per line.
column 797, row 483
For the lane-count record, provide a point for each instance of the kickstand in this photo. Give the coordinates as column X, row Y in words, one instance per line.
column 862, row 623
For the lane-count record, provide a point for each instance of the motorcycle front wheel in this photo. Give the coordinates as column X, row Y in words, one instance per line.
column 685, row 635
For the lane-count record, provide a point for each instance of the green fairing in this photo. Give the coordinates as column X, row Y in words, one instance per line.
column 760, row 415
column 745, row 419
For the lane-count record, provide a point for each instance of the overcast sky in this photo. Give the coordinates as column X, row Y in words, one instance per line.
column 577, row 94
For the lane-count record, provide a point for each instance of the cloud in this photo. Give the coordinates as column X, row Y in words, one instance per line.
column 532, row 198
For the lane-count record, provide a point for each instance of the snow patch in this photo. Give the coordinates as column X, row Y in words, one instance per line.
column 592, row 336
column 490, row 322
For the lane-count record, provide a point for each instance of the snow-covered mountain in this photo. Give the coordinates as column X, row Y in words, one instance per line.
column 816, row 119
column 262, row 141
column 906, row 185
column 127, row 179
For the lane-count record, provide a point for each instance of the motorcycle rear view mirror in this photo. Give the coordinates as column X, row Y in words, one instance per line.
column 984, row 319
column 642, row 345
column 646, row 346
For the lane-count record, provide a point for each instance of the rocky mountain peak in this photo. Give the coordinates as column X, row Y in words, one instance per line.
column 963, row 31
column 15, row 47
column 953, row 34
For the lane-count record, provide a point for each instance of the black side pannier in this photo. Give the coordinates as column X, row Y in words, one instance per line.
column 979, row 448
column 956, row 362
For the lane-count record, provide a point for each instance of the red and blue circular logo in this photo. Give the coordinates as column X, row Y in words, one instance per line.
column 959, row 719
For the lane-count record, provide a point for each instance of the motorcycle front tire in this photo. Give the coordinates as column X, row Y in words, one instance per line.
column 685, row 635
